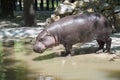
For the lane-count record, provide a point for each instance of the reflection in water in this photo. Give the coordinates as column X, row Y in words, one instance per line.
column 45, row 57
column 14, row 71
column 113, row 74
column 18, row 73
column 68, row 59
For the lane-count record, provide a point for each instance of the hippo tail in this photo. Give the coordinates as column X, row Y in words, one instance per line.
column 109, row 22
column 112, row 25
column 105, row 22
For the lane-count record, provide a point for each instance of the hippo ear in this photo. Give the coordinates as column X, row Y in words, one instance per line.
column 43, row 34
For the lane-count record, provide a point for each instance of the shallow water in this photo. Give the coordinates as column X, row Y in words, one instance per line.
column 23, row 64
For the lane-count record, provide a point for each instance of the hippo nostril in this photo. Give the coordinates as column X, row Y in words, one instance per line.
column 39, row 47
column 36, row 49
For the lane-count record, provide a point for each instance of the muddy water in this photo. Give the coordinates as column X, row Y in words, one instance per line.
column 84, row 67
column 24, row 64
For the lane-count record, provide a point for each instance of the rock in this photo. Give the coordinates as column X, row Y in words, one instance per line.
column 117, row 9
column 105, row 6
column 55, row 17
column 64, row 9
column 66, row 2
column 52, row 19
column 48, row 21
column 19, row 33
column 117, row 21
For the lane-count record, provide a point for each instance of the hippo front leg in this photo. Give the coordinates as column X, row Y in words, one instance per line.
column 68, row 49
column 101, row 46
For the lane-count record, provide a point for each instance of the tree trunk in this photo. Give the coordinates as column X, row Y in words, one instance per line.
column 52, row 4
column 47, row 3
column 7, row 8
column 41, row 5
column 20, row 5
column 29, row 13
column 36, row 8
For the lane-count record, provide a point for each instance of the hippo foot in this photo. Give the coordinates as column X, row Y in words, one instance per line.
column 64, row 54
column 109, row 52
column 100, row 51
column 104, row 51
column 72, row 53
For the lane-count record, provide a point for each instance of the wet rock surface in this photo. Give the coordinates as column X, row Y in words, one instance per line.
column 19, row 33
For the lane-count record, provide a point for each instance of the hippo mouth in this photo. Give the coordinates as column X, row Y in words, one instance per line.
column 39, row 48
column 41, row 51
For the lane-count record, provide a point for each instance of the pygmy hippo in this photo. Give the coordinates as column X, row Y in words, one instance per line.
column 74, row 29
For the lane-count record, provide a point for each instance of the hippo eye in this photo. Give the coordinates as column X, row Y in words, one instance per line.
column 41, row 39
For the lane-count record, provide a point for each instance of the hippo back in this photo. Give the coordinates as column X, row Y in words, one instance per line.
column 83, row 27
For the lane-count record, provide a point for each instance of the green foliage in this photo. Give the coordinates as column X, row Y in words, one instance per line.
column 19, row 47
column 17, row 73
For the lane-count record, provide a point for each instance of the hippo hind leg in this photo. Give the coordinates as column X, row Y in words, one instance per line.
column 108, row 44
column 102, row 43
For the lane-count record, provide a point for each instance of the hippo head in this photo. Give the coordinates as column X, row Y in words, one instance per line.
column 43, row 41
